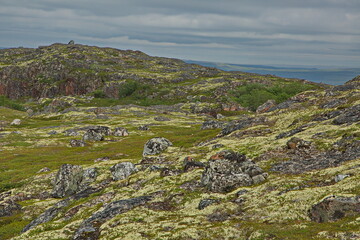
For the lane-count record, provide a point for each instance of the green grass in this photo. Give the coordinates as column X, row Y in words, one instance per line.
column 6, row 102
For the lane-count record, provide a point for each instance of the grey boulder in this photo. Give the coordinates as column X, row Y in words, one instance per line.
column 122, row 170
column 156, row 145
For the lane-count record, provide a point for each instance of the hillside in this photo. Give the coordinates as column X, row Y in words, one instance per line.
column 95, row 156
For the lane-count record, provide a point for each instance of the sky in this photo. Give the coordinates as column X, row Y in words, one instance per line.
column 269, row 32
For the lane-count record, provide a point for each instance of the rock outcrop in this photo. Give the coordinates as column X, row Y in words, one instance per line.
column 334, row 208
column 96, row 133
column 228, row 170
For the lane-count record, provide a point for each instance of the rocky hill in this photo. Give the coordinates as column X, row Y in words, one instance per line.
column 80, row 164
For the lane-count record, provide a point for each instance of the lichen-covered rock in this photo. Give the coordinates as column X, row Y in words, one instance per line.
column 16, row 122
column 90, row 228
column 266, row 106
column 69, row 180
column 334, row 208
column 228, row 170
column 77, row 143
column 96, row 133
column 8, row 208
column 143, row 127
column 156, row 145
column 350, row 115
column 190, row 164
column 206, row 202
column 212, row 124
column 121, row 132
column 122, row 170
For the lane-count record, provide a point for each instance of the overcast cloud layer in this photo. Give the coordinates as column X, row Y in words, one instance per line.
column 285, row 32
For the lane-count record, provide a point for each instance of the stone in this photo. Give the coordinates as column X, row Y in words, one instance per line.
column 212, row 124
column 162, row 119
column 90, row 228
column 290, row 133
column 121, row 132
column 77, row 143
column 71, row 133
column 122, row 170
column 72, row 42
column 340, row 177
column 295, row 143
column 16, row 122
column 96, row 133
column 334, row 208
column 266, row 106
column 52, row 132
column 218, row 145
column 102, row 159
column 228, row 170
column 143, row 127
column 350, row 115
column 9, row 208
column 206, row 202
column 165, row 172
column 45, row 169
column 68, row 180
column 219, row 116
column 190, row 164
column 156, row 145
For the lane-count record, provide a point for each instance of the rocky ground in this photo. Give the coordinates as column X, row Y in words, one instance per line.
column 287, row 171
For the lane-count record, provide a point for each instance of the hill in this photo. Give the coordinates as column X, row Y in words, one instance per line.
column 75, row 166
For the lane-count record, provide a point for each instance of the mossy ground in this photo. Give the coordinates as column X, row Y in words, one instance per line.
column 271, row 210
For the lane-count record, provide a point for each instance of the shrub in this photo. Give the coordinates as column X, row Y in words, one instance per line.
column 99, row 94
column 5, row 102
column 254, row 94
column 128, row 88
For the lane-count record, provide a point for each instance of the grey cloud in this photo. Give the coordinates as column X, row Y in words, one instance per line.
column 247, row 31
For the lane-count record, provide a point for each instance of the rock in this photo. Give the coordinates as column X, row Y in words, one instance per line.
column 156, row 146
column 122, row 170
column 69, row 180
column 241, row 192
column 218, row 145
column 161, row 119
column 190, row 164
column 295, row 143
column 77, row 143
column 212, row 124
column 30, row 112
column 90, row 228
column 242, row 123
column 53, row 132
column 16, row 122
column 89, row 175
column 9, row 208
column 96, row 133
column 45, row 169
column 341, row 177
column 121, row 132
column 219, row 116
column 228, row 170
column 233, row 107
column 350, row 115
column 53, row 211
column 71, row 133
column 207, row 202
column 334, row 208
column 102, row 159
column 284, row 105
column 143, row 127
column 266, row 106
column 333, row 103
column 165, row 172
column 289, row 133
column 71, row 42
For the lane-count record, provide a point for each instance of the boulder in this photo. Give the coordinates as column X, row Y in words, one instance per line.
column 190, row 164
column 156, row 146
column 121, row 132
column 266, row 106
column 96, row 133
column 143, row 127
column 334, row 208
column 71, row 179
column 16, row 122
column 122, row 170
column 340, row 177
column 77, row 143
column 350, row 115
column 8, row 208
column 228, row 170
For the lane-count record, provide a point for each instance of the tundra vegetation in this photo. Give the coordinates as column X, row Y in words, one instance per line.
column 112, row 144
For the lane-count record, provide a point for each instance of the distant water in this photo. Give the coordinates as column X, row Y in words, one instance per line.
column 328, row 76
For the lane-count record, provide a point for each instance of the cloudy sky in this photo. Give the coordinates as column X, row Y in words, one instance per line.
column 272, row 32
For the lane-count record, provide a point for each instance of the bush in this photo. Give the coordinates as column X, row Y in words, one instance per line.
column 99, row 94
column 253, row 95
column 5, row 102
column 128, row 88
